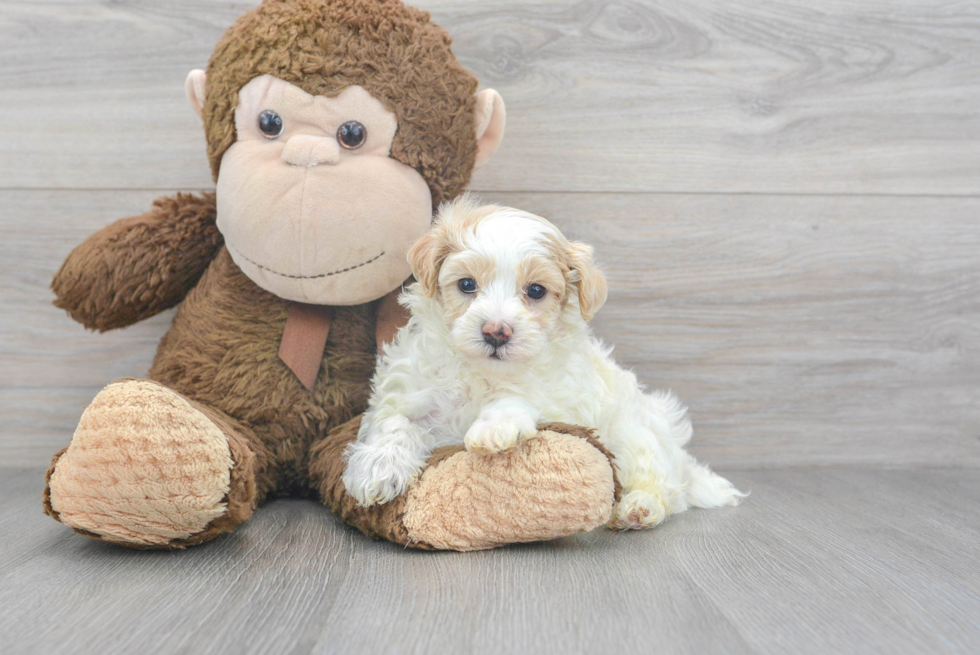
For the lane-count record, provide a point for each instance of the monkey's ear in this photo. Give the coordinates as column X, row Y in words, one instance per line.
column 491, row 116
column 591, row 282
column 194, row 87
column 426, row 258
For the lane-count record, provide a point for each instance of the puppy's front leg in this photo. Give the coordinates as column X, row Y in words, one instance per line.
column 384, row 460
column 501, row 425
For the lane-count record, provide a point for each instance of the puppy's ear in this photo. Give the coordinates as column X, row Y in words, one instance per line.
column 590, row 281
column 426, row 258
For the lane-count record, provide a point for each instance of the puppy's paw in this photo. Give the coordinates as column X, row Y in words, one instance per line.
column 498, row 432
column 638, row 510
column 376, row 475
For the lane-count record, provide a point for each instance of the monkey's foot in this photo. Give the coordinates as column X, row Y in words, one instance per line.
column 557, row 484
column 147, row 468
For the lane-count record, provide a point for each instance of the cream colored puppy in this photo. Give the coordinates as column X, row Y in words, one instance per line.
column 498, row 342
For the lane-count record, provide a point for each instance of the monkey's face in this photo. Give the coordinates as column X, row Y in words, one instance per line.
column 311, row 205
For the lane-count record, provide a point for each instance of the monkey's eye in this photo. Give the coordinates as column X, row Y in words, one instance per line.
column 352, row 135
column 536, row 292
column 467, row 285
column 270, row 124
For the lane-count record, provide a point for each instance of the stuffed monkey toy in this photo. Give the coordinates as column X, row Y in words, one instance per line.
column 333, row 128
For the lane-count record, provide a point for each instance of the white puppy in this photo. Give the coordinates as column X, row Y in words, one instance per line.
column 497, row 343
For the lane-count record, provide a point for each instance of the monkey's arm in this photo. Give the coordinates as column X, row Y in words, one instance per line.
column 139, row 266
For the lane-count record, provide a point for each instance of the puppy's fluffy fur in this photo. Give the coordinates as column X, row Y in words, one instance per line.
column 485, row 359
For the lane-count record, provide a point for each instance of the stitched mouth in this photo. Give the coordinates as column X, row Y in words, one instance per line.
column 309, row 277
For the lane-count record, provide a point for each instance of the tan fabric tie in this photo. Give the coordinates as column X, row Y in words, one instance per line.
column 303, row 340
column 308, row 326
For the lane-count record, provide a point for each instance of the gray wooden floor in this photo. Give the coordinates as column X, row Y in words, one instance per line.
column 829, row 560
column 786, row 198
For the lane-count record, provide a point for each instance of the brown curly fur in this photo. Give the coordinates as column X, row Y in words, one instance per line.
column 139, row 266
column 228, row 359
column 221, row 352
column 224, row 360
column 392, row 50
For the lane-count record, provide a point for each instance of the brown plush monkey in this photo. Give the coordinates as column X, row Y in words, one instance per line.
column 333, row 126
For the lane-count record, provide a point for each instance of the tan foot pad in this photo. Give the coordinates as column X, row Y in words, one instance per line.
column 144, row 467
column 551, row 486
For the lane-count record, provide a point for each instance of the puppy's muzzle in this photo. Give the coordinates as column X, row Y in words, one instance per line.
column 497, row 334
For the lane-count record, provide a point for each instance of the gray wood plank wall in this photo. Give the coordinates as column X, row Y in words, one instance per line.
column 785, row 195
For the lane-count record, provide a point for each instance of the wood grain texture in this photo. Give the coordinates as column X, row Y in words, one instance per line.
column 691, row 96
column 817, row 561
column 745, row 171
column 801, row 330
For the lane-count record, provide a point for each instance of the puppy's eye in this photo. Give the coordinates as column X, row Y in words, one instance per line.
column 270, row 124
column 352, row 135
column 536, row 292
column 467, row 285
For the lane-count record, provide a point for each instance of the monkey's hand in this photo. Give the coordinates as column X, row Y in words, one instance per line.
column 139, row 266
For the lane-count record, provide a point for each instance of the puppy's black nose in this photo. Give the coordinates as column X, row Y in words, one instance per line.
column 494, row 340
column 496, row 334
